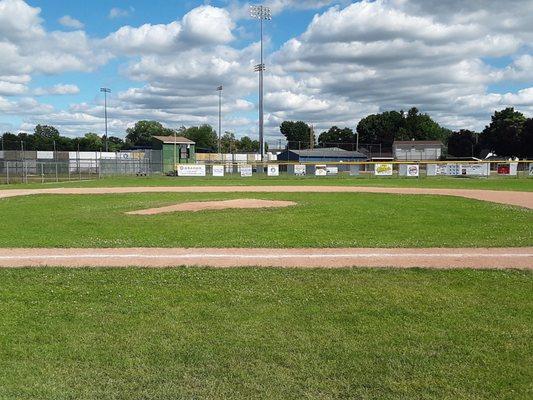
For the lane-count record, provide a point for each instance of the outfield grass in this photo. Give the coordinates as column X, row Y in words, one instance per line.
column 493, row 183
column 265, row 333
column 318, row 220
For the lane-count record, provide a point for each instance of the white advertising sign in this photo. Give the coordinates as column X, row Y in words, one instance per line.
column 246, row 171
column 321, row 170
column 332, row 170
column 299, row 169
column 45, row 155
column 454, row 169
column 218, row 170
column 191, row 169
column 413, row 171
column 383, row 169
column 531, row 169
column 273, row 170
column 475, row 169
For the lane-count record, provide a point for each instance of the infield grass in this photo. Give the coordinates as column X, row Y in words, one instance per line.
column 265, row 333
column 318, row 220
column 493, row 183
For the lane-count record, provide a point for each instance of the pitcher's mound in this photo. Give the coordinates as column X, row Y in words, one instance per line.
column 215, row 205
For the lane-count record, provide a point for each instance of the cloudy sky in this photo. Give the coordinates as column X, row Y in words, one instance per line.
column 328, row 62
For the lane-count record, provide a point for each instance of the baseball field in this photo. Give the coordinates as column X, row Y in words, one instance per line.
column 457, row 323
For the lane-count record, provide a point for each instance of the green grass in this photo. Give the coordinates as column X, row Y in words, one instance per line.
column 318, row 220
column 265, row 333
column 493, row 183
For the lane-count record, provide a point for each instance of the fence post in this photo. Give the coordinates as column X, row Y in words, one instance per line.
column 7, row 172
column 42, row 173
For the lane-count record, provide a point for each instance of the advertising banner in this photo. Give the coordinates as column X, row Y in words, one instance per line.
column 218, row 170
column 321, row 170
column 332, row 170
column 246, row 171
column 191, row 169
column 475, row 169
column 504, row 169
column 413, row 171
column 273, row 170
column 383, row 169
column 531, row 169
column 299, row 169
column 453, row 169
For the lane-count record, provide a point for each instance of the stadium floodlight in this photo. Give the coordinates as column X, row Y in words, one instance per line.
column 105, row 91
column 219, row 89
column 261, row 13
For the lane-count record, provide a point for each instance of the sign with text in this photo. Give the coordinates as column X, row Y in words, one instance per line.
column 191, row 169
column 273, row 170
column 413, row 171
column 383, row 169
column 246, row 171
column 218, row 170
column 299, row 169
column 321, row 170
column 531, row 169
column 332, row 170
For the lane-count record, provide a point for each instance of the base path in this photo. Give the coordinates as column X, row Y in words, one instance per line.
column 521, row 199
column 493, row 258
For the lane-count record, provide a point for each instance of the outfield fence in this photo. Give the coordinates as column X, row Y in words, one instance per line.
column 35, row 171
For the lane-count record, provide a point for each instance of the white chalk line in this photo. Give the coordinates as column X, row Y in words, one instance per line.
column 266, row 256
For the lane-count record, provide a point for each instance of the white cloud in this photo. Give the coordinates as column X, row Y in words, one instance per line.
column 59, row 89
column 70, row 22
column 117, row 12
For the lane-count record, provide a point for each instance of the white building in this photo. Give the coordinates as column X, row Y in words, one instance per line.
column 417, row 150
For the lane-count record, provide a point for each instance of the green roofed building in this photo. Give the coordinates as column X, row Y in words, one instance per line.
column 174, row 150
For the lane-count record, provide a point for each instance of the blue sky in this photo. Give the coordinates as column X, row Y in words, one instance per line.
column 328, row 62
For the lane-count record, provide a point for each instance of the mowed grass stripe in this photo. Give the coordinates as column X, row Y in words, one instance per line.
column 492, row 183
column 276, row 334
column 318, row 220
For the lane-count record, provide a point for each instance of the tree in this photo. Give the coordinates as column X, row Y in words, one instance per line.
column 336, row 137
column 297, row 134
column 421, row 127
column 463, row 143
column 247, row 145
column 46, row 131
column 204, row 136
column 504, row 135
column 142, row 132
column 527, row 139
column 115, row 143
column 227, row 142
column 380, row 128
column 91, row 142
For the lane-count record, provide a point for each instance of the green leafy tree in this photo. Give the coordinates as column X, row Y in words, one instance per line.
column 91, row 142
column 227, row 142
column 142, row 132
column 527, row 139
column 46, row 131
column 204, row 136
column 421, row 127
column 380, row 128
column 504, row 135
column 115, row 143
column 463, row 143
column 247, row 145
column 336, row 137
column 297, row 134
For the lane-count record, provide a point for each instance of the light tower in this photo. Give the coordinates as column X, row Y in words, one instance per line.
column 261, row 13
column 105, row 91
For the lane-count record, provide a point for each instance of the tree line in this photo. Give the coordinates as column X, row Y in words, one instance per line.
column 46, row 137
column 509, row 134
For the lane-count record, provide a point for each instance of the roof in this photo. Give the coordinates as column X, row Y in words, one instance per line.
column 418, row 143
column 173, row 139
column 329, row 152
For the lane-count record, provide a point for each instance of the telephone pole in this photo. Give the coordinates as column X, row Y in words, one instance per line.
column 105, row 91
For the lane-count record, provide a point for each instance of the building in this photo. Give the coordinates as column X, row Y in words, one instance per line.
column 417, row 150
column 330, row 154
column 174, row 150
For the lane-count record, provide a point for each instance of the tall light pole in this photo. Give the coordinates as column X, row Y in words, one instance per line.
column 261, row 13
column 220, row 120
column 105, row 91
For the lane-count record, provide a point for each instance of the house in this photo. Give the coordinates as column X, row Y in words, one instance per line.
column 330, row 154
column 417, row 150
column 174, row 150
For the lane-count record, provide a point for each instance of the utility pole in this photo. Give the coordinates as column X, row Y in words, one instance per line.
column 262, row 13
column 220, row 121
column 105, row 91
column 311, row 137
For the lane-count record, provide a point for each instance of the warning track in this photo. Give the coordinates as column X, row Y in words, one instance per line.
column 521, row 199
column 486, row 258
